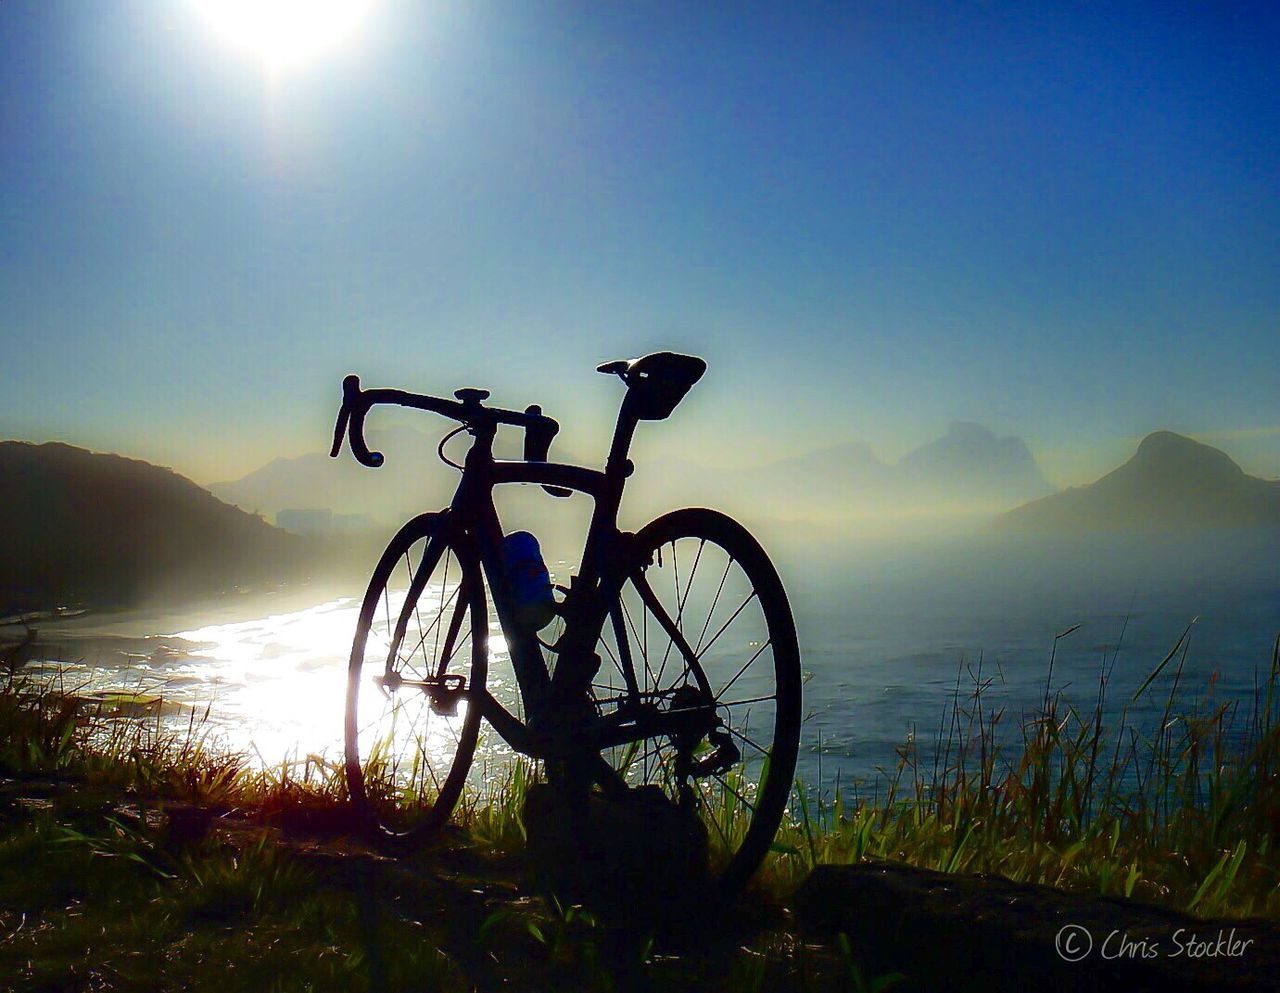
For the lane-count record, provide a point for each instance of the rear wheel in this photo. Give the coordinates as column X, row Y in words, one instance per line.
column 421, row 639
column 703, row 624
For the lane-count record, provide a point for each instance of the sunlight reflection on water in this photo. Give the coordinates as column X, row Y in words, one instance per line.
column 271, row 688
column 275, row 684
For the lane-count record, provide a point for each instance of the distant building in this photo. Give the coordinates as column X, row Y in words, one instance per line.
column 310, row 521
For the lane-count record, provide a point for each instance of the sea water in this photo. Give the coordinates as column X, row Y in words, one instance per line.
column 893, row 635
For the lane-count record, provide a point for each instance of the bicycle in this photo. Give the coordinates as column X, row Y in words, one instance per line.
column 710, row 714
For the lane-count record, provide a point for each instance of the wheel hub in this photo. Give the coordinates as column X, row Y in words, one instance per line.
column 443, row 692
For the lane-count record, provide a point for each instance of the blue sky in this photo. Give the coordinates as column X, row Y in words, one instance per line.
column 871, row 219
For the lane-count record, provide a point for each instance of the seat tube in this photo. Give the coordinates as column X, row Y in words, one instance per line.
column 475, row 501
column 577, row 659
column 604, row 518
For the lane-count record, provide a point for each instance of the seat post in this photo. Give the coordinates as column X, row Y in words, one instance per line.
column 578, row 660
column 623, row 433
column 604, row 517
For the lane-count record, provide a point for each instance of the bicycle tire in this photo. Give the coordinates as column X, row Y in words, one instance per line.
column 768, row 744
column 405, row 777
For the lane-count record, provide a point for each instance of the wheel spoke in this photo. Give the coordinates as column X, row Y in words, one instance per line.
column 702, row 543
column 417, row 616
column 614, row 659
column 727, row 686
column 697, row 649
column 742, row 737
column 423, row 755
column 444, row 585
column 739, row 703
column 643, row 647
column 435, row 624
column 406, row 770
column 725, row 626
column 451, row 644
column 743, row 800
column 386, row 604
column 375, row 720
column 681, row 600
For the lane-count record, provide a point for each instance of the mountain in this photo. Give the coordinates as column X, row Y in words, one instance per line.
column 341, row 485
column 967, row 471
column 971, row 465
column 412, row 478
column 104, row 529
column 1170, row 483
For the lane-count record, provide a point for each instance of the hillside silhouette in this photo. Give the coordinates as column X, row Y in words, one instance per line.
column 1170, row 483
column 81, row 527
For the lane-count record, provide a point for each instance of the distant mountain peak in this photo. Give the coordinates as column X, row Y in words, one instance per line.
column 1177, row 452
column 972, row 455
column 1171, row 482
column 1161, row 439
column 968, row 438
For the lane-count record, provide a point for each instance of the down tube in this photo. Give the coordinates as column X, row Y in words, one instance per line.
column 526, row 655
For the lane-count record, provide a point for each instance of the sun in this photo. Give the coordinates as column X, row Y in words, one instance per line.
column 284, row 32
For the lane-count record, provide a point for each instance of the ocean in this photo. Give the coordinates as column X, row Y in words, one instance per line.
column 892, row 633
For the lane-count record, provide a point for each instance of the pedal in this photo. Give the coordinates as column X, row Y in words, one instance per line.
column 445, row 696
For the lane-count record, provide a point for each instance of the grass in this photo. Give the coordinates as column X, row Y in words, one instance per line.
column 112, row 908
column 1185, row 816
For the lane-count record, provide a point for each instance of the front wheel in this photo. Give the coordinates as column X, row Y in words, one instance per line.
column 702, row 623
column 420, row 641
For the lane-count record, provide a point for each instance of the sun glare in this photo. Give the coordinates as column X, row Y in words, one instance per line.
column 284, row 32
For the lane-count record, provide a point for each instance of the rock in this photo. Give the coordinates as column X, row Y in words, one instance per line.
column 636, row 857
column 951, row 932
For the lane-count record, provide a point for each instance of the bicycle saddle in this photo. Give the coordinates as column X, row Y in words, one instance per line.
column 657, row 382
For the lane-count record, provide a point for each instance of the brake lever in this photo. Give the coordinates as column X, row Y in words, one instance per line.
column 351, row 419
column 538, row 435
column 537, row 443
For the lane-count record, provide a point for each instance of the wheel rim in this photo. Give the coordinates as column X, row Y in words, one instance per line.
column 728, row 604
column 407, row 755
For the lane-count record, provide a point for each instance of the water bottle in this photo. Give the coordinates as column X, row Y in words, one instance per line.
column 528, row 580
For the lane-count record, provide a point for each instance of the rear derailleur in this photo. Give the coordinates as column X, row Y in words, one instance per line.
column 723, row 754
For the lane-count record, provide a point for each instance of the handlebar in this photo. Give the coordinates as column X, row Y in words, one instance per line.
column 539, row 432
column 351, row 422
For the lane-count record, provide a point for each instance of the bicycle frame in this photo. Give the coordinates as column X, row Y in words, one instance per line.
column 667, row 736
column 590, row 603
